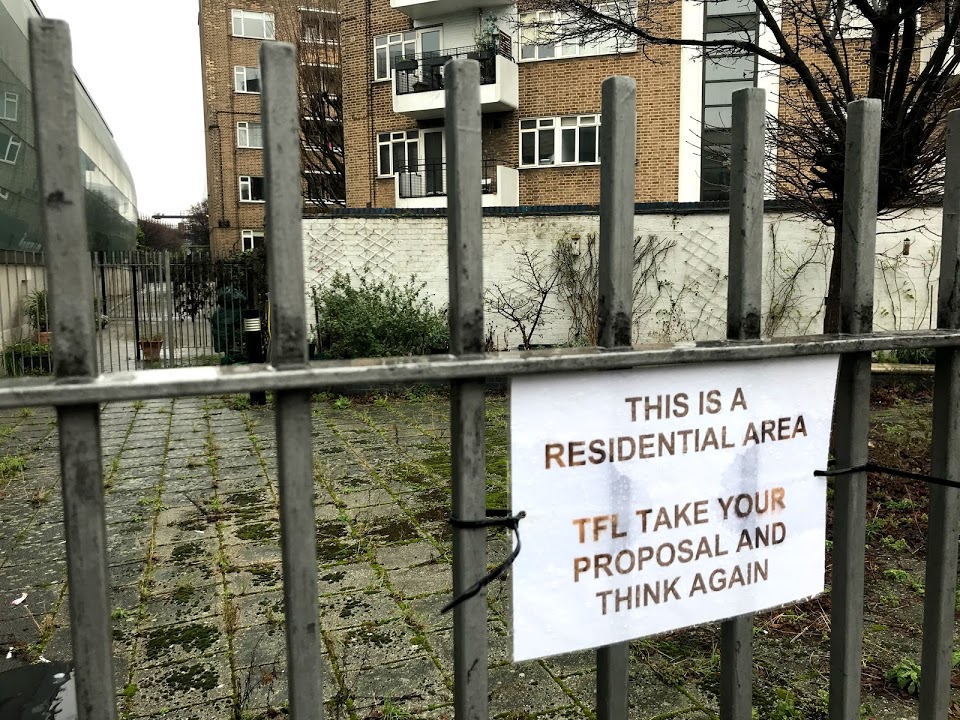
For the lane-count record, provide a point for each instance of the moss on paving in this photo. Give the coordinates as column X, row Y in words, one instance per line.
column 192, row 636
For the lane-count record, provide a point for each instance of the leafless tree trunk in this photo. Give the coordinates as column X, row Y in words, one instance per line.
column 314, row 25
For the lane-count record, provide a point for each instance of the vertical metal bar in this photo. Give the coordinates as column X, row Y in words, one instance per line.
column 857, row 249
column 14, row 310
column 743, row 323
column 294, row 446
column 97, row 337
column 467, row 406
column 74, row 355
column 168, row 310
column 136, row 307
column 944, row 506
column 618, row 146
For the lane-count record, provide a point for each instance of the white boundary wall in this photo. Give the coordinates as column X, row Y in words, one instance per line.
column 686, row 292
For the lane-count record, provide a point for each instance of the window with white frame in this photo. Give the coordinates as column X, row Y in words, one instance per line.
column 10, row 106
column 387, row 49
column 249, row 24
column 539, row 41
column 9, row 148
column 251, row 239
column 539, row 33
column 251, row 189
column 4, row 194
column 851, row 23
column 397, row 150
column 249, row 135
column 568, row 140
column 246, row 79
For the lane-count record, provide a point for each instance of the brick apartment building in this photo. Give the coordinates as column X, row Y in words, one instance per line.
column 540, row 103
column 230, row 35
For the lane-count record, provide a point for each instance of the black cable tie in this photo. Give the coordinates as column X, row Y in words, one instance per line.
column 495, row 518
column 886, row 470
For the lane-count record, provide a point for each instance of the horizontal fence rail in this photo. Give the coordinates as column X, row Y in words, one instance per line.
column 198, row 381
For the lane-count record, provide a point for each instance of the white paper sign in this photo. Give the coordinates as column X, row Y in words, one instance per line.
column 661, row 498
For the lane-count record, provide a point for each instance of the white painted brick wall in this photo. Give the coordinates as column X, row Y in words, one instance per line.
column 687, row 300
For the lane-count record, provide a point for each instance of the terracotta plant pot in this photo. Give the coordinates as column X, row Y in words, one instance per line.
column 43, row 337
column 150, row 349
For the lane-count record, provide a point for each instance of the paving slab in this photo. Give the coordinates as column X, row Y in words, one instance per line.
column 196, row 570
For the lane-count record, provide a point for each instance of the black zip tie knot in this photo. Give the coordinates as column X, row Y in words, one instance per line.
column 495, row 518
column 886, row 470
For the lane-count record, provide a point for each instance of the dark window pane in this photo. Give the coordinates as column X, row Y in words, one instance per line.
column 568, row 145
column 412, row 155
column 527, row 152
column 546, row 147
column 381, row 55
column 398, row 159
column 384, row 168
column 588, row 144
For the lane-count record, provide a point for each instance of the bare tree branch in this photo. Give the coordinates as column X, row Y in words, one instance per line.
column 314, row 25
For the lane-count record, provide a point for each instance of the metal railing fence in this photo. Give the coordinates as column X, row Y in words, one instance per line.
column 428, row 178
column 150, row 309
column 423, row 72
column 77, row 391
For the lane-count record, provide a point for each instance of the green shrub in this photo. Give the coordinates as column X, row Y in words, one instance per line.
column 376, row 319
column 27, row 358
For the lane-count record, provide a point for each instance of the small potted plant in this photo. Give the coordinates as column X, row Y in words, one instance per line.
column 405, row 63
column 150, row 347
column 36, row 308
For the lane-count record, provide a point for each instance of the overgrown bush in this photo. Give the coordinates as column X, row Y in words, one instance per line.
column 376, row 318
column 198, row 279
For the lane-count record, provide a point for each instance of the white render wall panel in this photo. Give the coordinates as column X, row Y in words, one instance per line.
column 459, row 30
column 685, row 292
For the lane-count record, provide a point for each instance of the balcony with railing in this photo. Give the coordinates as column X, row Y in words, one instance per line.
column 418, row 79
column 425, row 185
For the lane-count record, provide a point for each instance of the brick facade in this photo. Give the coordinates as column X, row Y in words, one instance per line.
column 223, row 108
column 546, row 88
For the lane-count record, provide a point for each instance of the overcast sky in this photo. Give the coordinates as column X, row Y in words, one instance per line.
column 140, row 62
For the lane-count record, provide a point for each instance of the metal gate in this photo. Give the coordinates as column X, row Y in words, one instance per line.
column 77, row 391
column 149, row 310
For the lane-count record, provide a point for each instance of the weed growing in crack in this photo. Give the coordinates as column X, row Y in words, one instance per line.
column 237, row 402
column 11, row 465
column 258, row 676
column 905, row 675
